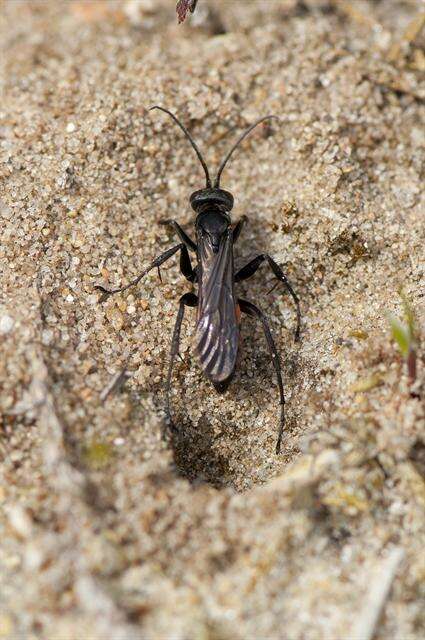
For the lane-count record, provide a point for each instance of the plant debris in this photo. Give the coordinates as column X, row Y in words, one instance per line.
column 183, row 7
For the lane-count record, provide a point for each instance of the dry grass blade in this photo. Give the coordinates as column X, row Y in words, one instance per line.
column 379, row 591
column 410, row 34
column 114, row 384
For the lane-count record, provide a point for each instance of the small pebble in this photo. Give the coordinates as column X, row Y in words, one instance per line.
column 20, row 520
column 6, row 324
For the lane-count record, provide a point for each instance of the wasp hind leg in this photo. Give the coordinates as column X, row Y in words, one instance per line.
column 253, row 311
column 187, row 300
column 249, row 269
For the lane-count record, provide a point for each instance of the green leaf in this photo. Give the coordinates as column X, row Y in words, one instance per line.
column 401, row 334
column 408, row 314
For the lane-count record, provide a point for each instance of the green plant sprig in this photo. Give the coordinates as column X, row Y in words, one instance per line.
column 405, row 336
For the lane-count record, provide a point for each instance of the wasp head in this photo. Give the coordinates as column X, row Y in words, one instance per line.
column 211, row 197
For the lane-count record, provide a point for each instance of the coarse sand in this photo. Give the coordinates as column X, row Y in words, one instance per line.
column 108, row 527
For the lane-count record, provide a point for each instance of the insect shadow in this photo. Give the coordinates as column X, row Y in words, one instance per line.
column 204, row 448
column 195, row 455
column 219, row 309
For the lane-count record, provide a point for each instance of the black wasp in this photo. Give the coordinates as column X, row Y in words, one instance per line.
column 219, row 308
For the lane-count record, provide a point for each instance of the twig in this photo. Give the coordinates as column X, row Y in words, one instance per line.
column 114, row 384
column 373, row 607
column 353, row 13
column 64, row 475
column 410, row 34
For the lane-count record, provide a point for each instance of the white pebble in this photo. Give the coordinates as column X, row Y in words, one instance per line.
column 20, row 520
column 46, row 337
column 70, row 127
column 6, row 324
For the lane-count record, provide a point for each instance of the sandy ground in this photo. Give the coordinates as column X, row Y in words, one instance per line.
column 108, row 530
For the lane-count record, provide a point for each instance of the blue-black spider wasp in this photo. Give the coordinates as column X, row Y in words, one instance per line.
column 219, row 308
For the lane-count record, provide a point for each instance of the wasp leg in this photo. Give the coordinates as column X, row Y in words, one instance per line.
column 251, row 310
column 249, row 269
column 238, row 228
column 188, row 300
column 185, row 267
column 190, row 244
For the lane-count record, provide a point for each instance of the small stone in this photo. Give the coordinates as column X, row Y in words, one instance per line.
column 86, row 394
column 417, row 136
column 34, row 556
column 16, row 456
column 20, row 520
column 46, row 337
column 5, row 211
column 6, row 324
column 70, row 127
column 116, row 318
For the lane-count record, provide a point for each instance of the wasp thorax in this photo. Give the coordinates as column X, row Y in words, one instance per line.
column 203, row 198
column 212, row 225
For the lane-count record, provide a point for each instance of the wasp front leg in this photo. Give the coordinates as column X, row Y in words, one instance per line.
column 190, row 244
column 238, row 228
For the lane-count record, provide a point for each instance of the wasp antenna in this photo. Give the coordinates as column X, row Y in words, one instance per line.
column 237, row 143
column 191, row 140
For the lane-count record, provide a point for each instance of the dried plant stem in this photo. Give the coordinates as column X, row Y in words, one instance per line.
column 410, row 34
column 366, row 624
column 114, row 384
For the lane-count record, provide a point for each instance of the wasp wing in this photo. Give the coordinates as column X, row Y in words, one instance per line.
column 217, row 330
